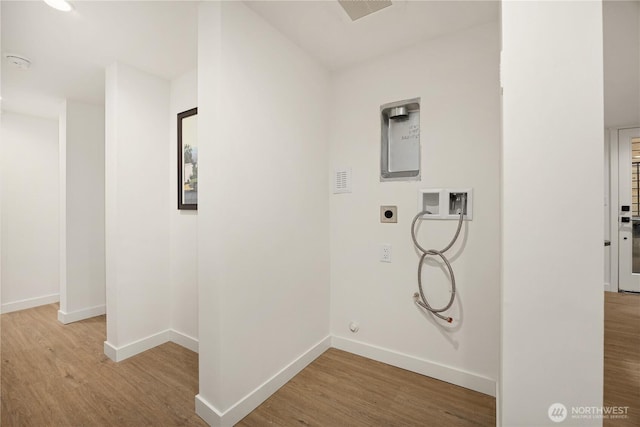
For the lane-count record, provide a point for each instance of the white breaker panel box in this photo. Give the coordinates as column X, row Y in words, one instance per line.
column 444, row 203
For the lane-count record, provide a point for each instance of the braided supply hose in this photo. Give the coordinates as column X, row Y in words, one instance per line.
column 420, row 297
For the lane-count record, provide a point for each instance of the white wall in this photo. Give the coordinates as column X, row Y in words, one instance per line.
column 621, row 63
column 183, row 224
column 82, row 257
column 29, row 165
column 137, row 218
column 209, row 302
column 263, row 219
column 552, row 310
column 456, row 78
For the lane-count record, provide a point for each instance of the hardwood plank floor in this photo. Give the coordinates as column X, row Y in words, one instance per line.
column 622, row 356
column 367, row 393
column 57, row 375
column 342, row 389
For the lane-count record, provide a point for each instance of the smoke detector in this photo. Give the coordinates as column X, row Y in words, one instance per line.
column 18, row 61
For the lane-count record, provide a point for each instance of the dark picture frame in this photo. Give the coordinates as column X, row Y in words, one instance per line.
column 188, row 160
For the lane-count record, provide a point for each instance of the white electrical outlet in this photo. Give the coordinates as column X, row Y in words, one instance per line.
column 385, row 253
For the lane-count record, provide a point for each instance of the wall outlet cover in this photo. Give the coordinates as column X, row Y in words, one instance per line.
column 385, row 252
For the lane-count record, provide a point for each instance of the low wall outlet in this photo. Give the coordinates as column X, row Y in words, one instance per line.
column 354, row 327
column 385, row 253
column 388, row 214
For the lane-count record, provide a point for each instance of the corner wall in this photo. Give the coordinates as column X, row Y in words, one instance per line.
column 137, row 219
column 263, row 218
column 82, row 257
column 30, row 252
column 183, row 259
column 553, row 308
column 456, row 77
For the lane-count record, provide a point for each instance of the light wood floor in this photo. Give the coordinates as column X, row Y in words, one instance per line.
column 342, row 389
column 622, row 356
column 57, row 375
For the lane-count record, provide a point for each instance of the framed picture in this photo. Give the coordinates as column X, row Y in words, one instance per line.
column 188, row 159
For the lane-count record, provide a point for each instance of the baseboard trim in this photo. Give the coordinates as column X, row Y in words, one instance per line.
column 424, row 367
column 118, row 354
column 85, row 313
column 208, row 412
column 111, row 351
column 609, row 288
column 29, row 303
column 184, row 340
column 243, row 407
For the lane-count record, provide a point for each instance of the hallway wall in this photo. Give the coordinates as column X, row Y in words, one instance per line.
column 552, row 269
column 263, row 213
column 82, row 256
column 137, row 218
column 30, row 211
column 183, row 237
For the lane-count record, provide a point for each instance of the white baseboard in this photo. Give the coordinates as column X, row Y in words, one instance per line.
column 431, row 369
column 85, row 313
column 111, row 351
column 243, row 407
column 29, row 303
column 184, row 340
column 118, row 354
column 208, row 412
column 609, row 288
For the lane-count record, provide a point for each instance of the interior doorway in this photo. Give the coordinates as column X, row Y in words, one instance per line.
column 627, row 209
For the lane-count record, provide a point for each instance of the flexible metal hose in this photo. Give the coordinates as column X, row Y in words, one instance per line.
column 422, row 302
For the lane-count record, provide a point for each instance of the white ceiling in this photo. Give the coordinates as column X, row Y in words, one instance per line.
column 70, row 51
column 324, row 29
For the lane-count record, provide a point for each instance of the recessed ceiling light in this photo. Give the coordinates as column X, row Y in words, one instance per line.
column 62, row 5
column 18, row 61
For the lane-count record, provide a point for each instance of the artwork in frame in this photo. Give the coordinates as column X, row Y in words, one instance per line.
column 188, row 159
